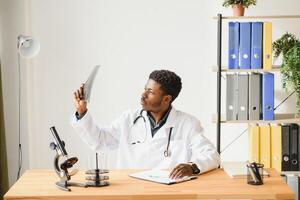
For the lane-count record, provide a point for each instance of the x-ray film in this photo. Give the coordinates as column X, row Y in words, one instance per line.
column 89, row 83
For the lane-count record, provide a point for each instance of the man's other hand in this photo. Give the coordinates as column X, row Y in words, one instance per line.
column 181, row 170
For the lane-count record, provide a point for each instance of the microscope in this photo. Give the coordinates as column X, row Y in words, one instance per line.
column 62, row 163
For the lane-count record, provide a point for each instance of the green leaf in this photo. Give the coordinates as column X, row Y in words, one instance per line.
column 290, row 70
column 245, row 3
column 283, row 44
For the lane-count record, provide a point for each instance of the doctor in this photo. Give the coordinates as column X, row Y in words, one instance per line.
column 156, row 136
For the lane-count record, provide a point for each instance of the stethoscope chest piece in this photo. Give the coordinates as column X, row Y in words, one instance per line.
column 167, row 153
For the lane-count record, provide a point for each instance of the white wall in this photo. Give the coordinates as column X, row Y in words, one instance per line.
column 14, row 21
column 129, row 39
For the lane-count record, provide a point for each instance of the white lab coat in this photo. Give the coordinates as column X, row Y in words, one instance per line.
column 187, row 144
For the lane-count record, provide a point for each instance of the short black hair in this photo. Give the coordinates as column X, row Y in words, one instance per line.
column 170, row 83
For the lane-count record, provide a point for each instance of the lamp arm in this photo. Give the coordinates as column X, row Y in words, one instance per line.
column 19, row 119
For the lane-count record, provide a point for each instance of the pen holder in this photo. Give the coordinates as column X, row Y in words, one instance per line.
column 255, row 173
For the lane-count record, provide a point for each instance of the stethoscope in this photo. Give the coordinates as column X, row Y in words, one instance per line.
column 167, row 153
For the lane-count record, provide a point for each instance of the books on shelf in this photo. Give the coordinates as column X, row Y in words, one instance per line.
column 244, row 99
column 250, row 45
column 275, row 146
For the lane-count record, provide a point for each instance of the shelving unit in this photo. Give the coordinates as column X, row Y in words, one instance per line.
column 219, row 69
column 275, row 68
column 279, row 119
column 261, row 17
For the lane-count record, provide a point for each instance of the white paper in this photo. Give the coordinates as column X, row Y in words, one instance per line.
column 89, row 83
column 159, row 176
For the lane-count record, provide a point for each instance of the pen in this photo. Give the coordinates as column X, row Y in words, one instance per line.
column 250, row 168
column 256, row 171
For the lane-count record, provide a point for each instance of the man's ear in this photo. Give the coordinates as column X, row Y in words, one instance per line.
column 168, row 99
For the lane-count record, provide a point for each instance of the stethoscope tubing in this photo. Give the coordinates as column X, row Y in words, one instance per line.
column 167, row 153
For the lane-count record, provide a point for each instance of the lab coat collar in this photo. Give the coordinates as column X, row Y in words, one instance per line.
column 164, row 131
column 171, row 120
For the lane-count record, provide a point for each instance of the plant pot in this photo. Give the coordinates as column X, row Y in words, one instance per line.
column 238, row 10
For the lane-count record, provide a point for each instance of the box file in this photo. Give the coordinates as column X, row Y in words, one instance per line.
column 286, row 165
column 267, row 45
column 268, row 96
column 265, row 145
column 233, row 45
column 254, row 154
column 231, row 96
column 256, row 45
column 276, row 147
column 243, row 96
column 294, row 147
column 254, row 96
column 245, row 45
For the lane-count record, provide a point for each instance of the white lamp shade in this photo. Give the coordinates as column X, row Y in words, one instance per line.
column 27, row 46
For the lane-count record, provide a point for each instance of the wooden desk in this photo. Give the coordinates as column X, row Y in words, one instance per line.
column 39, row 184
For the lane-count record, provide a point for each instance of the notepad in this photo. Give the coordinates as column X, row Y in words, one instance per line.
column 89, row 83
column 160, row 176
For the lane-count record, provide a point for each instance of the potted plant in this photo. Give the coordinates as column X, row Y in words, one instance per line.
column 239, row 6
column 289, row 46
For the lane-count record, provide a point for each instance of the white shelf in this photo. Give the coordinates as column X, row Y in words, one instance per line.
column 279, row 119
column 290, row 173
column 275, row 68
column 262, row 17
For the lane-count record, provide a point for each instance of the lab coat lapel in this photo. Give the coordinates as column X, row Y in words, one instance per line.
column 148, row 128
column 164, row 131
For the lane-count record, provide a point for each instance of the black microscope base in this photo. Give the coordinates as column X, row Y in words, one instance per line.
column 63, row 185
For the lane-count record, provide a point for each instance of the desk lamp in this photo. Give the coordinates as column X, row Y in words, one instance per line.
column 27, row 48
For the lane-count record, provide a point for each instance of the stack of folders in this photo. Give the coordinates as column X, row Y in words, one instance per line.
column 275, row 146
column 250, row 45
column 250, row 96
